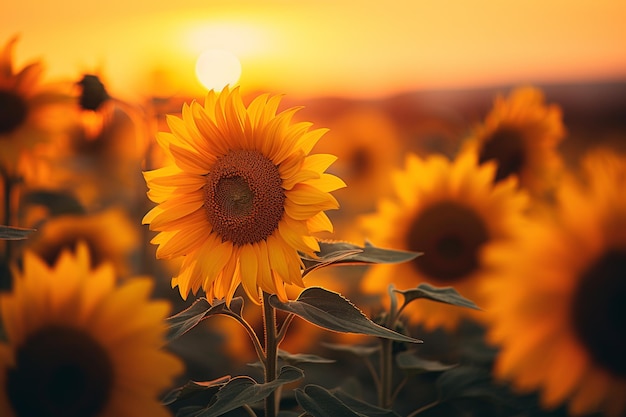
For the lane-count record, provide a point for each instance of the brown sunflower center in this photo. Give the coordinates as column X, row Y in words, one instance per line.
column 244, row 198
column 50, row 251
column 94, row 94
column 60, row 372
column 13, row 111
column 361, row 161
column 599, row 311
column 450, row 235
column 506, row 146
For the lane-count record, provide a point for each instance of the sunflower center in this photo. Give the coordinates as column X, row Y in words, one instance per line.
column 51, row 251
column 450, row 235
column 506, row 146
column 361, row 161
column 598, row 311
column 13, row 111
column 244, row 198
column 60, row 372
column 94, row 94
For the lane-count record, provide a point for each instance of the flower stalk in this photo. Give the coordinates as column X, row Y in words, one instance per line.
column 271, row 352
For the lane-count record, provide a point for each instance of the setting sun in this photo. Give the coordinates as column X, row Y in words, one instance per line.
column 216, row 68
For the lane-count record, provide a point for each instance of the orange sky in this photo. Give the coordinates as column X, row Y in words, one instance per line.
column 307, row 48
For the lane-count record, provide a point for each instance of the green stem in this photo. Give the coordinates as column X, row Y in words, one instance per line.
column 424, row 408
column 8, row 191
column 385, row 396
column 271, row 352
column 283, row 328
column 386, row 374
column 255, row 340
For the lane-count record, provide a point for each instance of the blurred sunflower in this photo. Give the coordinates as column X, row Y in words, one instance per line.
column 449, row 210
column 521, row 133
column 78, row 346
column 242, row 198
column 110, row 236
column 366, row 143
column 556, row 298
column 23, row 104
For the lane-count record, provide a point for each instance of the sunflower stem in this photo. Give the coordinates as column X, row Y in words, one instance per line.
column 271, row 352
column 386, row 367
column 385, row 396
column 8, row 188
column 283, row 328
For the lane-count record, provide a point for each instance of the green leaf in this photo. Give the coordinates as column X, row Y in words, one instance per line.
column 465, row 382
column 57, row 202
column 331, row 311
column 201, row 309
column 295, row 359
column 362, row 407
column 413, row 365
column 14, row 233
column 447, row 295
column 319, row 402
column 344, row 253
column 358, row 350
column 243, row 390
column 193, row 388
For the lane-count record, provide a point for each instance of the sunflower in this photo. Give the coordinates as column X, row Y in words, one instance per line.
column 77, row 345
column 521, row 133
column 556, row 299
column 110, row 236
column 367, row 145
column 448, row 210
column 23, row 104
column 242, row 197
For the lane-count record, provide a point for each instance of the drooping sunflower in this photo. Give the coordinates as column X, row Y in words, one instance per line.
column 79, row 346
column 449, row 210
column 242, row 197
column 23, row 104
column 522, row 133
column 556, row 298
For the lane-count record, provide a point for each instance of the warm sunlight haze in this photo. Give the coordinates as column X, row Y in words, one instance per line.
column 216, row 69
column 327, row 48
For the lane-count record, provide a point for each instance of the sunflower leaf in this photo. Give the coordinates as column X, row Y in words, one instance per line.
column 447, row 295
column 345, row 253
column 14, row 233
column 362, row 407
column 414, row 365
column 295, row 359
column 243, row 390
column 194, row 388
column 332, row 311
column 320, row 402
column 358, row 350
column 57, row 202
column 201, row 309
column 465, row 382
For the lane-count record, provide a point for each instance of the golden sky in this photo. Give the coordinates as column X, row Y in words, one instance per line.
column 355, row 48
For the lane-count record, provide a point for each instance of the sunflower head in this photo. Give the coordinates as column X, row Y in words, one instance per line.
column 521, row 134
column 23, row 102
column 555, row 296
column 78, row 345
column 93, row 92
column 449, row 210
column 242, row 198
column 110, row 236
